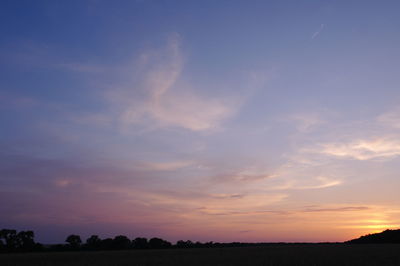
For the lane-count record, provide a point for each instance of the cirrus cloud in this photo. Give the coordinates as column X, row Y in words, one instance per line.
column 364, row 149
column 166, row 99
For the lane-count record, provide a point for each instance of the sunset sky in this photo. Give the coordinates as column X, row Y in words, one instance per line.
column 254, row 121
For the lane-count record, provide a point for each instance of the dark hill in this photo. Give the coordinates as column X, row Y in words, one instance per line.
column 387, row 236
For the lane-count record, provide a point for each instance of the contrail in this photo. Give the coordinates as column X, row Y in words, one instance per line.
column 318, row 31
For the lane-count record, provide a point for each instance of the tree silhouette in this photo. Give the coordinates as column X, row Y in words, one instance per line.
column 140, row 243
column 93, row 242
column 74, row 241
column 185, row 244
column 26, row 240
column 106, row 243
column 121, row 242
column 159, row 243
column 10, row 238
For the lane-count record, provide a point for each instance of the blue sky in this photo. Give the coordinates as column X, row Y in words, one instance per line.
column 202, row 120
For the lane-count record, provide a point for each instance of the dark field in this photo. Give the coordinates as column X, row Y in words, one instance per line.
column 294, row 254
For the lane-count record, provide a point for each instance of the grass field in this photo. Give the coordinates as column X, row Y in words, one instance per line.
column 295, row 254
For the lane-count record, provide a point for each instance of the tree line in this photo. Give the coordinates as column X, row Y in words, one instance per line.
column 11, row 240
column 23, row 241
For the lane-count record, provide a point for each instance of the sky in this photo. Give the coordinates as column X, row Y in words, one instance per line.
column 252, row 121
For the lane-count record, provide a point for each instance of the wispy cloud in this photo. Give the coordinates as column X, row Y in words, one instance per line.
column 305, row 122
column 304, row 181
column 162, row 166
column 336, row 209
column 363, row 149
column 242, row 176
column 315, row 34
column 244, row 204
column 168, row 100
